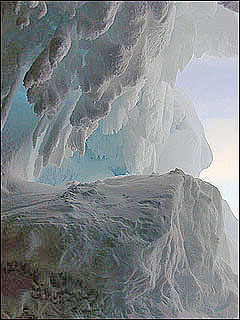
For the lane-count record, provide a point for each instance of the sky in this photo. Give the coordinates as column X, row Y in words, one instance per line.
column 212, row 85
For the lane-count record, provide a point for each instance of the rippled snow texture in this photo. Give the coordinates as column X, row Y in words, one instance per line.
column 145, row 246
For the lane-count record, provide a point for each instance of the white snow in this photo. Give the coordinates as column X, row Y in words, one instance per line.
column 130, row 82
column 101, row 78
column 148, row 245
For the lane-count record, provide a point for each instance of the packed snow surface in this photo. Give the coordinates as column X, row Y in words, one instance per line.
column 127, row 247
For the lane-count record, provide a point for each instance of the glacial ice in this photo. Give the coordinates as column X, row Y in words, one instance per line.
column 88, row 93
column 141, row 48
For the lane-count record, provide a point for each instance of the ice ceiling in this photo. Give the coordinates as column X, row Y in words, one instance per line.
column 101, row 79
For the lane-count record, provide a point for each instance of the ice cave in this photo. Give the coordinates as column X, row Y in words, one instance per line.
column 103, row 213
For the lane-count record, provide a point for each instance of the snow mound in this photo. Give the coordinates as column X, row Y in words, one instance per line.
column 130, row 247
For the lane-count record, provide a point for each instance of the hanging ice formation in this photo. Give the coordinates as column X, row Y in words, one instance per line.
column 101, row 77
column 116, row 61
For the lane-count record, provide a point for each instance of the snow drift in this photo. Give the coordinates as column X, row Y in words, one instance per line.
column 126, row 247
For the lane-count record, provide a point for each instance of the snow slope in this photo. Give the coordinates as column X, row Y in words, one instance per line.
column 126, row 247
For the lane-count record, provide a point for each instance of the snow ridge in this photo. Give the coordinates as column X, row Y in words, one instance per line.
column 145, row 246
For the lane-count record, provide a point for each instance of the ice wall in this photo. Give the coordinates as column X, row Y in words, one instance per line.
column 229, row 243
column 127, row 247
column 81, row 62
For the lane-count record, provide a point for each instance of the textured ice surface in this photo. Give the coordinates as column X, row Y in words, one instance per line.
column 126, row 247
column 231, row 238
column 116, row 61
column 231, row 5
column 100, row 77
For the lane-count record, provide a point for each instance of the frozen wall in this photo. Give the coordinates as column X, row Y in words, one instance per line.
column 114, row 62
